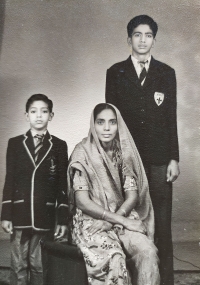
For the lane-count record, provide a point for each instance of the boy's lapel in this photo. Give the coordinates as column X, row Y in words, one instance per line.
column 29, row 145
column 47, row 145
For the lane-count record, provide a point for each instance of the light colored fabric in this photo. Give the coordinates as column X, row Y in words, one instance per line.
column 137, row 65
column 105, row 253
column 26, row 257
column 102, row 252
column 103, row 178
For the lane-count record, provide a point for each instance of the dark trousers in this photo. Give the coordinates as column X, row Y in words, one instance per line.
column 161, row 196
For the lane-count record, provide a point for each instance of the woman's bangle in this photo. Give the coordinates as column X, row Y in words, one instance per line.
column 123, row 211
column 103, row 215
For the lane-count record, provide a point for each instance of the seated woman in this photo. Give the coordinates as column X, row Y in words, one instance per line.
column 113, row 220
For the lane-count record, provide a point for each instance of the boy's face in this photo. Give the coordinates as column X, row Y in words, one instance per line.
column 142, row 40
column 39, row 115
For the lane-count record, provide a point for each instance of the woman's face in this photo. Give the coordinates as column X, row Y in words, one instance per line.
column 106, row 126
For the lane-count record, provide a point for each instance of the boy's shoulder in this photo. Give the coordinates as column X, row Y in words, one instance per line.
column 57, row 141
column 162, row 65
column 122, row 65
column 119, row 65
column 18, row 138
column 21, row 137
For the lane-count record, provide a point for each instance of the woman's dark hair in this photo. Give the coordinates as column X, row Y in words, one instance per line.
column 39, row 97
column 102, row 106
column 142, row 20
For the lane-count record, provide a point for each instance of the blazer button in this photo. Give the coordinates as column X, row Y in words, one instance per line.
column 142, row 110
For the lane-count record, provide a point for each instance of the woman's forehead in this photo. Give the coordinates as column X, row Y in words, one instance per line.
column 105, row 114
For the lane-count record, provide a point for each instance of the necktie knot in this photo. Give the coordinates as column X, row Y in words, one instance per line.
column 142, row 63
column 39, row 137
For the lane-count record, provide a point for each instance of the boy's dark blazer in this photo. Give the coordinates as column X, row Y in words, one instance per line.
column 33, row 193
column 151, row 121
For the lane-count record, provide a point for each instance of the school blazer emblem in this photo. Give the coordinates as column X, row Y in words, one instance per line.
column 159, row 98
column 52, row 167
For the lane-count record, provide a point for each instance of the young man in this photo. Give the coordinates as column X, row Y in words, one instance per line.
column 144, row 90
column 35, row 184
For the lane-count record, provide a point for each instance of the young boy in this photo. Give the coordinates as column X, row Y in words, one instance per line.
column 35, row 190
column 144, row 90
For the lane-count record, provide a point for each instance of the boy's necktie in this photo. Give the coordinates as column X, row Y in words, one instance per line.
column 39, row 145
column 143, row 73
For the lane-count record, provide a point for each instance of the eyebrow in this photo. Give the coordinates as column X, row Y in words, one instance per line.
column 148, row 33
column 41, row 108
column 104, row 119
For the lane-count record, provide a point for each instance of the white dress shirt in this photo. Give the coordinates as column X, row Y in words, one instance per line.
column 138, row 67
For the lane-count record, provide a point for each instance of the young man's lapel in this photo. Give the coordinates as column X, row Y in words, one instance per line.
column 130, row 72
column 152, row 74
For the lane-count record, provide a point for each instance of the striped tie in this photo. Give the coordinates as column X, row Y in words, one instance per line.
column 39, row 145
column 143, row 73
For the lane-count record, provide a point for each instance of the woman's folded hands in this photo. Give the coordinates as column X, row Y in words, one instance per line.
column 134, row 225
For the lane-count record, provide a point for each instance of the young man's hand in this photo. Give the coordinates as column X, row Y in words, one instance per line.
column 60, row 231
column 7, row 226
column 172, row 171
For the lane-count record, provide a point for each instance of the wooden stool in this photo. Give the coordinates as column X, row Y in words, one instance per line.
column 63, row 264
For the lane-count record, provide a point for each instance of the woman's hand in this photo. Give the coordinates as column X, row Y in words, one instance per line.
column 99, row 226
column 134, row 225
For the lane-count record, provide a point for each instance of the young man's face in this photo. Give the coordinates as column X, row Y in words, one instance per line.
column 142, row 40
column 39, row 115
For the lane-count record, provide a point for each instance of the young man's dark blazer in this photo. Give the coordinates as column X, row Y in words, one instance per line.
column 153, row 126
column 34, row 192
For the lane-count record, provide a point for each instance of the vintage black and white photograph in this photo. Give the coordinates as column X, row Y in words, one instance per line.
column 100, row 142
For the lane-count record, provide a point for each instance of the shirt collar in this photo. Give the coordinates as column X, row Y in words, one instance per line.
column 137, row 64
column 33, row 132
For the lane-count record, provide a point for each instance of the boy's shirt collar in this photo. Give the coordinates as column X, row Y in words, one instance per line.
column 33, row 133
column 137, row 65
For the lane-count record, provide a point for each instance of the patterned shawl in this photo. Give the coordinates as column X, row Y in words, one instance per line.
column 102, row 176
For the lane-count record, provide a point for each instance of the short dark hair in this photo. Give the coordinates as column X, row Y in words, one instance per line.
column 102, row 106
column 39, row 97
column 142, row 20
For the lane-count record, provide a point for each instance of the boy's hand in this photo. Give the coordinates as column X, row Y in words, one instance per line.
column 172, row 171
column 60, row 231
column 7, row 226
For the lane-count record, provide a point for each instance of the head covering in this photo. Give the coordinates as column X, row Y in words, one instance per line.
column 104, row 183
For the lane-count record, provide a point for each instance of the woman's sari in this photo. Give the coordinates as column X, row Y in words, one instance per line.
column 106, row 253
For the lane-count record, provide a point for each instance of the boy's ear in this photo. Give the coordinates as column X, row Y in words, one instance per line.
column 51, row 116
column 154, row 42
column 129, row 41
column 26, row 116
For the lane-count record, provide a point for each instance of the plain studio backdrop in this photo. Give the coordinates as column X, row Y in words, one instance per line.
column 62, row 48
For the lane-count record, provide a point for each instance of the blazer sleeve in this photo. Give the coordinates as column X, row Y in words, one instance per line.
column 111, row 87
column 6, row 212
column 172, row 118
column 62, row 198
